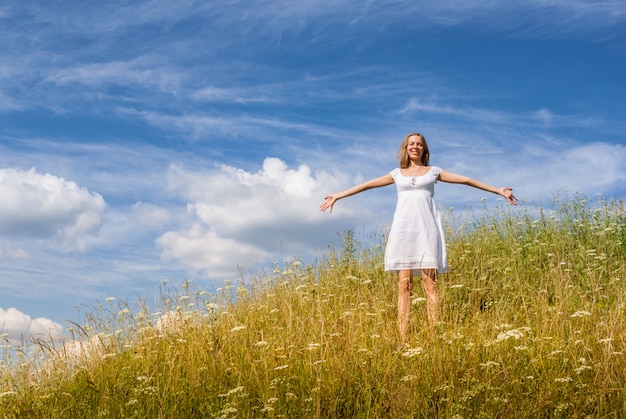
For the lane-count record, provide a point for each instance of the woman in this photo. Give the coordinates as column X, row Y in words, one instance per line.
column 416, row 243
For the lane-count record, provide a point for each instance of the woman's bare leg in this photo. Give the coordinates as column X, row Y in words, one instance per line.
column 405, row 289
column 429, row 280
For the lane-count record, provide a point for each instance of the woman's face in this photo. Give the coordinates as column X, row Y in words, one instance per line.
column 415, row 147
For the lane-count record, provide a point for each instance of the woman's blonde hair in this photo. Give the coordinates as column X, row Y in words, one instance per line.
column 403, row 155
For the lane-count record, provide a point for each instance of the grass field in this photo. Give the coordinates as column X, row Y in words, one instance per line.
column 532, row 326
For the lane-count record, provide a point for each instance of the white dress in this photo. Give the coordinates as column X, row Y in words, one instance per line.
column 416, row 239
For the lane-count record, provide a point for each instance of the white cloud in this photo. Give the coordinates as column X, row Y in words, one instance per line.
column 47, row 206
column 202, row 249
column 275, row 174
column 17, row 324
column 240, row 216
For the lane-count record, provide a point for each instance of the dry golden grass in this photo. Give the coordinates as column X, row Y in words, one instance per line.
column 532, row 326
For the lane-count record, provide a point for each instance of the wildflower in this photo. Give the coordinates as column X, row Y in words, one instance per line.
column 235, row 390
column 418, row 300
column 261, row 343
column 237, row 328
column 489, row 364
column 563, row 380
column 110, row 299
column 521, row 348
column 409, row 377
column 411, row 352
column 581, row 313
column 582, row 368
column 228, row 410
column 212, row 307
column 290, row 396
column 442, row 387
column 457, row 286
column 515, row 333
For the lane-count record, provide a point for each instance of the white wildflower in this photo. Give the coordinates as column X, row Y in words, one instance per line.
column 581, row 313
column 238, row 328
column 582, row 368
column 489, row 364
column 411, row 352
column 514, row 333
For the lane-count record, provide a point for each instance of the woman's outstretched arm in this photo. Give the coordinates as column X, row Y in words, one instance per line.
column 373, row 183
column 454, row 178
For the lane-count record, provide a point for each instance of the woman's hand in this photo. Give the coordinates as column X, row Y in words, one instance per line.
column 328, row 203
column 508, row 194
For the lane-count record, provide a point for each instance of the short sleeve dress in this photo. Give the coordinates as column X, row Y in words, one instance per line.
column 416, row 239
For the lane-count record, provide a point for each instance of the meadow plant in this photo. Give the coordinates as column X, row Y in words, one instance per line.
column 532, row 325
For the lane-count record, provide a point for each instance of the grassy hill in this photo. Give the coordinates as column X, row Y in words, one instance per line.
column 533, row 314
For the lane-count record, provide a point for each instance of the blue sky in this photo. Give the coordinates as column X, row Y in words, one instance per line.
column 151, row 140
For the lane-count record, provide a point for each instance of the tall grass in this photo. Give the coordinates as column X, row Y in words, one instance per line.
column 532, row 326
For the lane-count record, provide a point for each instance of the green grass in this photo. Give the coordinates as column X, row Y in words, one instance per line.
column 532, row 326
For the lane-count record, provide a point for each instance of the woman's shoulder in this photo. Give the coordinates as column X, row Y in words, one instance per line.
column 435, row 170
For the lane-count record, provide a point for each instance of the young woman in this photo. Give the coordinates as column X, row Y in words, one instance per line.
column 416, row 244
